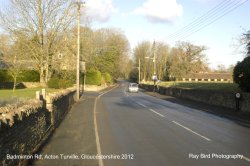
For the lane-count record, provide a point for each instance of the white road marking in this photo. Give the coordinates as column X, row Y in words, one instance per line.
column 97, row 139
column 103, row 93
column 150, row 109
column 186, row 128
column 99, row 152
column 190, row 130
column 141, row 104
column 156, row 112
column 245, row 158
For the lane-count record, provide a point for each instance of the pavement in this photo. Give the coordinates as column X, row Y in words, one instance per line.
column 75, row 136
column 137, row 129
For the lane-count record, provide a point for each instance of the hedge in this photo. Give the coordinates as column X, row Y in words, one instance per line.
column 62, row 79
column 242, row 74
column 24, row 76
column 58, row 83
column 93, row 77
column 107, row 78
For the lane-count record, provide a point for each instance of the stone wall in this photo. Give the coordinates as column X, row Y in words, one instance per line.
column 59, row 103
column 23, row 129
column 217, row 98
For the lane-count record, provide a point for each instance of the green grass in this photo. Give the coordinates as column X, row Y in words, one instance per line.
column 27, row 93
column 218, row 86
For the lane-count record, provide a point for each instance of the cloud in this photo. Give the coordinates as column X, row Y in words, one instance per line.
column 160, row 10
column 100, row 10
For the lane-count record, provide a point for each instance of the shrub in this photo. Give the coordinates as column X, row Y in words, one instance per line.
column 241, row 74
column 5, row 77
column 53, row 83
column 93, row 77
column 66, row 75
column 29, row 76
column 62, row 79
column 2, row 76
column 24, row 76
column 107, row 78
column 65, row 83
column 58, row 83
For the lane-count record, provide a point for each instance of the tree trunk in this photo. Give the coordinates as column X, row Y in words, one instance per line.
column 14, row 84
column 42, row 75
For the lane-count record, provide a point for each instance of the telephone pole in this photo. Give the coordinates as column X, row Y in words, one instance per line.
column 139, row 74
column 154, row 58
column 79, row 4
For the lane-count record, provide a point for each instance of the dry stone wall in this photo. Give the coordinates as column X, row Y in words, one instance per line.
column 217, row 98
column 22, row 129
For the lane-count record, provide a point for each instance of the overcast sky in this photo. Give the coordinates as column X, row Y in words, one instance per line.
column 161, row 20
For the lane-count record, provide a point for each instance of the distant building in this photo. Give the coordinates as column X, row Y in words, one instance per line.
column 221, row 77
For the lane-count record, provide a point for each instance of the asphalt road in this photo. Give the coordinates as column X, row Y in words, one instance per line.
column 144, row 130
column 135, row 129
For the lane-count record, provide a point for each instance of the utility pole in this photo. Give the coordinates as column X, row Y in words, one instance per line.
column 139, row 81
column 154, row 76
column 79, row 3
column 154, row 58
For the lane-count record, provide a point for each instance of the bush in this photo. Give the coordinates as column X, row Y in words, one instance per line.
column 5, row 77
column 24, row 76
column 107, row 78
column 53, row 83
column 93, row 77
column 62, row 79
column 66, row 75
column 2, row 76
column 29, row 76
column 58, row 83
column 241, row 74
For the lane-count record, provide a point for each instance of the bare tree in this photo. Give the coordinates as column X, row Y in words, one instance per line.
column 162, row 53
column 141, row 51
column 145, row 49
column 12, row 59
column 185, row 58
column 4, row 49
column 173, row 62
column 40, row 22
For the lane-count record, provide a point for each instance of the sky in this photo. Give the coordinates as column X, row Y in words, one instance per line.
column 161, row 20
column 170, row 21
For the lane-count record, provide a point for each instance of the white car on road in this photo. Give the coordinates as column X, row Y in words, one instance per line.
column 133, row 87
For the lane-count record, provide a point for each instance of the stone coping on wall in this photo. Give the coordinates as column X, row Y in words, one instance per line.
column 57, row 95
column 11, row 113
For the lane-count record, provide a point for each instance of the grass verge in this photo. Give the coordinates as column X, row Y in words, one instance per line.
column 8, row 96
column 218, row 86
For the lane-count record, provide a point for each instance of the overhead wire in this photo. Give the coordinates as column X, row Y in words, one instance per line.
column 208, row 18
column 200, row 19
